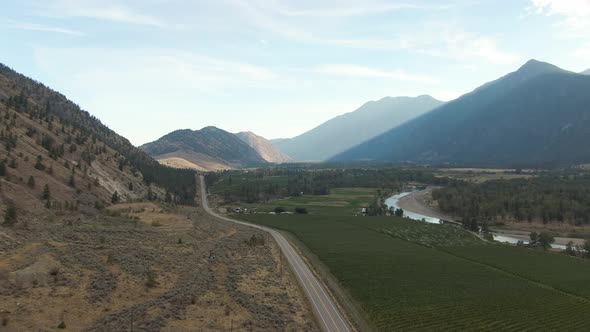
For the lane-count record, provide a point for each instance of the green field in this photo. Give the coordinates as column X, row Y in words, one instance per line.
column 408, row 275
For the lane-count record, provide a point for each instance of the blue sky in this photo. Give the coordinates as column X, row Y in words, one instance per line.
column 274, row 67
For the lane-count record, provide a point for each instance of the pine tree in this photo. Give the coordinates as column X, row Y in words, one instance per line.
column 46, row 195
column 10, row 214
column 31, row 182
column 39, row 164
column 115, row 198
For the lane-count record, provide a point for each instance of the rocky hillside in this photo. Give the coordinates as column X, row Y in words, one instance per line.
column 348, row 130
column 210, row 148
column 56, row 158
column 535, row 116
column 264, row 147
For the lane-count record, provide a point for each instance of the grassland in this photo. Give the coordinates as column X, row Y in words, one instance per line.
column 407, row 275
column 145, row 267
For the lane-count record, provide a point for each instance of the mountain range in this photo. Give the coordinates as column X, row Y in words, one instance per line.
column 537, row 115
column 348, row 130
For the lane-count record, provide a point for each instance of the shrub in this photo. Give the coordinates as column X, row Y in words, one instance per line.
column 151, row 280
column 31, row 182
column 300, row 210
column 10, row 214
column 279, row 209
column 61, row 325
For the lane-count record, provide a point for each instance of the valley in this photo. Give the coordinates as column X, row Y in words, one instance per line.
column 394, row 274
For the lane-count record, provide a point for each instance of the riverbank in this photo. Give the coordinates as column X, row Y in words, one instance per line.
column 421, row 202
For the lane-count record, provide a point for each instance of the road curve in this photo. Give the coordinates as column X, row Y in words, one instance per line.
column 329, row 316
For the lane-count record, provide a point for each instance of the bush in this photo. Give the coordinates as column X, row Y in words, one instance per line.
column 279, row 209
column 255, row 241
column 151, row 280
column 300, row 210
column 61, row 325
column 10, row 214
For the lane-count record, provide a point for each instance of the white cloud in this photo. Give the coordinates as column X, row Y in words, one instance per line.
column 341, row 9
column 41, row 27
column 99, row 10
column 360, row 71
column 316, row 26
column 574, row 14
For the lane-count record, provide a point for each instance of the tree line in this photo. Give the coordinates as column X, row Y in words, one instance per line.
column 548, row 198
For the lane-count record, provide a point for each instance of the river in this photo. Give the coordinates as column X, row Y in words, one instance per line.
column 392, row 202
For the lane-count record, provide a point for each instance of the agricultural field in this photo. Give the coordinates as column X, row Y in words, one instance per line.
column 340, row 201
column 479, row 175
column 408, row 275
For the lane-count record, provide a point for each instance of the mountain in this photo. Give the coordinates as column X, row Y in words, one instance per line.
column 586, row 72
column 56, row 159
column 264, row 147
column 348, row 130
column 210, row 148
column 539, row 114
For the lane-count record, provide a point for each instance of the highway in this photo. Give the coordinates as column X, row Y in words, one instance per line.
column 329, row 317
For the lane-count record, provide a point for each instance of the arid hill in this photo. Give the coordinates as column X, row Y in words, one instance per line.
column 210, row 148
column 264, row 147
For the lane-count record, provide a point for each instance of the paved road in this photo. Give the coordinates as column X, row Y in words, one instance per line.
column 329, row 316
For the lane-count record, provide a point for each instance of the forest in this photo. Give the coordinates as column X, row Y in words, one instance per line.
column 551, row 197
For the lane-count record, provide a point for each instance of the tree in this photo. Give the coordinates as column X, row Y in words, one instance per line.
column 534, row 237
column 10, row 214
column 31, row 182
column 115, row 198
column 2, row 168
column 569, row 248
column 300, row 210
column 39, row 164
column 399, row 212
column 150, row 194
column 130, row 186
column 46, row 195
column 545, row 240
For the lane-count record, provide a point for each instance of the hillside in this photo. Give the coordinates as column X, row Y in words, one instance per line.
column 264, row 147
column 207, row 149
column 537, row 115
column 348, row 130
column 586, row 72
column 55, row 157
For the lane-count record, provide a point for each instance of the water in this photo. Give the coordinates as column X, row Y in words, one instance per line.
column 392, row 202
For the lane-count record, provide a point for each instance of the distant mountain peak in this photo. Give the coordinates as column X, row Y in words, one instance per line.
column 535, row 67
column 586, row 72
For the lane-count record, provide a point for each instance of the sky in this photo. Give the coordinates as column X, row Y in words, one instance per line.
column 277, row 68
